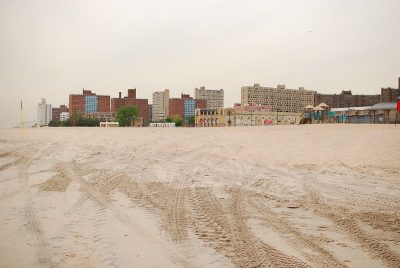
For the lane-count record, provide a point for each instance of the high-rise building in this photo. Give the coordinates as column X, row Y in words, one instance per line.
column 177, row 108
column 185, row 106
column 160, row 105
column 142, row 104
column 44, row 113
column 57, row 112
column 279, row 98
column 88, row 102
column 214, row 98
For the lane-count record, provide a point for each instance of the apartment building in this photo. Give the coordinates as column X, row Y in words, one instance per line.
column 346, row 99
column 214, row 98
column 44, row 113
column 390, row 94
column 185, row 106
column 56, row 112
column 142, row 104
column 88, row 102
column 279, row 98
column 160, row 104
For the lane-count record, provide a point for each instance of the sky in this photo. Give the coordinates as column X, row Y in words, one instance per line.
column 52, row 48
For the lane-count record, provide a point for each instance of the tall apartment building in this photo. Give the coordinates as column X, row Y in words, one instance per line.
column 185, row 106
column 214, row 98
column 88, row 102
column 56, row 112
column 142, row 104
column 279, row 98
column 44, row 113
column 346, row 99
column 160, row 105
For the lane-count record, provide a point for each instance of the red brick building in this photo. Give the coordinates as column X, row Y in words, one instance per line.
column 201, row 104
column 88, row 102
column 76, row 103
column 58, row 111
column 177, row 107
column 142, row 104
column 103, row 104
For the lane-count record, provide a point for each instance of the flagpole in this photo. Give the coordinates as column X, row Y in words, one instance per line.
column 22, row 124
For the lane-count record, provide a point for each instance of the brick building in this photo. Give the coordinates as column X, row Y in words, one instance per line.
column 346, row 99
column 185, row 106
column 390, row 94
column 57, row 112
column 142, row 104
column 88, row 102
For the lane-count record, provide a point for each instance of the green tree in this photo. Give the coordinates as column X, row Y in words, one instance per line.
column 54, row 123
column 126, row 115
column 190, row 120
column 75, row 117
column 174, row 119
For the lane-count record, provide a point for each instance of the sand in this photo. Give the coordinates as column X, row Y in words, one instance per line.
column 277, row 196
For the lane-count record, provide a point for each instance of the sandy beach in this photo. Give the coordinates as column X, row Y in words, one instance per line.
column 278, row 196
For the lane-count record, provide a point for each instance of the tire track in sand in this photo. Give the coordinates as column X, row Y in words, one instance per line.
column 74, row 172
column 226, row 230
column 343, row 218
column 309, row 247
column 42, row 247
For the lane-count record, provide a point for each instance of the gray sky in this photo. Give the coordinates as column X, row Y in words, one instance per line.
column 52, row 48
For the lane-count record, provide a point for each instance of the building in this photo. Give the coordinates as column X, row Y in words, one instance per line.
column 88, row 102
column 151, row 111
column 176, row 108
column 160, row 105
column 185, row 106
column 279, row 98
column 244, row 115
column 390, row 94
column 209, row 117
column 263, row 115
column 142, row 104
column 57, row 111
column 346, row 99
column 44, row 113
column 214, row 98
column 64, row 116
column 380, row 113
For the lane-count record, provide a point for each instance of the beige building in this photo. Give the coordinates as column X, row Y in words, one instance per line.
column 279, row 98
column 244, row 115
column 214, row 98
column 160, row 105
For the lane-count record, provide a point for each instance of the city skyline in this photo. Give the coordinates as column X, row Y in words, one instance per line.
column 53, row 49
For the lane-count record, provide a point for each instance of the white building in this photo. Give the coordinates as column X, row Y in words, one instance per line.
column 64, row 116
column 214, row 98
column 160, row 105
column 44, row 113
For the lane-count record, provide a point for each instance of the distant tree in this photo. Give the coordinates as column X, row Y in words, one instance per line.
column 174, row 119
column 169, row 120
column 75, row 117
column 126, row 115
column 190, row 120
column 54, row 123
column 66, row 123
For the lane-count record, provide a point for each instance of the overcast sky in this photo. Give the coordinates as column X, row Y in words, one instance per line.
column 54, row 48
